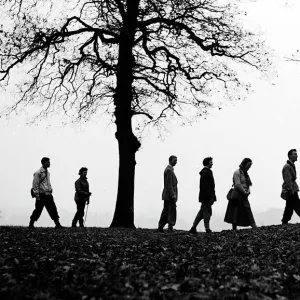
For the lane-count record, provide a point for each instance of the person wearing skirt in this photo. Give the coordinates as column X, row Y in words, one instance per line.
column 238, row 212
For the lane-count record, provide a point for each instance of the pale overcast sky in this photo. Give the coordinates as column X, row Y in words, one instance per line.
column 264, row 128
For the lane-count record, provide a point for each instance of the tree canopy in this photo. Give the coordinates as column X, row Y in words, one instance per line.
column 184, row 52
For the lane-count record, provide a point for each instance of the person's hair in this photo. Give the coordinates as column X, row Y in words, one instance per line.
column 243, row 164
column 171, row 158
column 45, row 159
column 291, row 151
column 82, row 170
column 245, row 161
column 206, row 161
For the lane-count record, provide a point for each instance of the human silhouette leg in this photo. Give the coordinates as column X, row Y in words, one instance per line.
column 39, row 206
column 52, row 210
column 197, row 220
column 296, row 203
column 81, row 206
column 207, row 213
column 172, row 214
column 164, row 216
column 288, row 210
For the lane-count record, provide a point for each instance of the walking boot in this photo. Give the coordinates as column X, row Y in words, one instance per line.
column 206, row 226
column 31, row 224
column 58, row 225
column 254, row 226
column 193, row 230
column 160, row 229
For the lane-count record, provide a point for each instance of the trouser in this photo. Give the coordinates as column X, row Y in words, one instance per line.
column 292, row 204
column 205, row 213
column 168, row 214
column 80, row 212
column 48, row 202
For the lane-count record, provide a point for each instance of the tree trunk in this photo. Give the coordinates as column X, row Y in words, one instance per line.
column 128, row 143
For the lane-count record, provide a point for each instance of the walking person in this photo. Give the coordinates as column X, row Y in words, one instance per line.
column 207, row 196
column 169, row 196
column 42, row 191
column 290, row 187
column 82, row 196
column 238, row 211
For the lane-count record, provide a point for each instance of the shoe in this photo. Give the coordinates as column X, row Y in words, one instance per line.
column 254, row 226
column 159, row 229
column 208, row 230
column 193, row 230
column 58, row 226
column 284, row 223
column 74, row 226
column 170, row 228
column 31, row 224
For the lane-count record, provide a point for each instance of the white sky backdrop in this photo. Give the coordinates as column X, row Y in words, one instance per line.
column 264, row 128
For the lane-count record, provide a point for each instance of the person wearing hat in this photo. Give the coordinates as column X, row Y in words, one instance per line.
column 82, row 196
column 42, row 191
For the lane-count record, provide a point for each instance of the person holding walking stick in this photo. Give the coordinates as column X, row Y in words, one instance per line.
column 82, row 197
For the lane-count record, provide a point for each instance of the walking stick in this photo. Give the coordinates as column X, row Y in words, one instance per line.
column 86, row 213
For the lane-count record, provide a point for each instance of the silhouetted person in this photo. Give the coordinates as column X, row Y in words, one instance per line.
column 170, row 196
column 42, row 190
column 290, row 187
column 207, row 195
column 239, row 212
column 82, row 196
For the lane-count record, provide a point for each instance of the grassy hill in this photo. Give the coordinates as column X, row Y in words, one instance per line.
column 101, row 263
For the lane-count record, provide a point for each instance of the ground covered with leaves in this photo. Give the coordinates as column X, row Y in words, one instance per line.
column 100, row 263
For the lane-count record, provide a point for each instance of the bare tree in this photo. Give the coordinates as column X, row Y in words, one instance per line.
column 140, row 61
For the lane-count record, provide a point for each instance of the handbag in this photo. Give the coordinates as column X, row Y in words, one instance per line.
column 233, row 194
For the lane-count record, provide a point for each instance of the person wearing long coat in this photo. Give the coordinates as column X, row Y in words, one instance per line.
column 82, row 196
column 169, row 196
column 290, row 188
column 238, row 212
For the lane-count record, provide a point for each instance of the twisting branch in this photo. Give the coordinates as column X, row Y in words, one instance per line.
column 183, row 51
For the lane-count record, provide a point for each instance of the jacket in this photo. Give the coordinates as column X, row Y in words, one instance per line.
column 170, row 191
column 82, row 190
column 207, row 186
column 289, row 178
column 239, row 181
column 41, row 182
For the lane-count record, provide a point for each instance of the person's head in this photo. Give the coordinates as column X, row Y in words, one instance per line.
column 292, row 155
column 246, row 164
column 208, row 162
column 45, row 162
column 83, row 172
column 172, row 160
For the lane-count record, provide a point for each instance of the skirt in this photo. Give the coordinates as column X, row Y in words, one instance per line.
column 239, row 213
